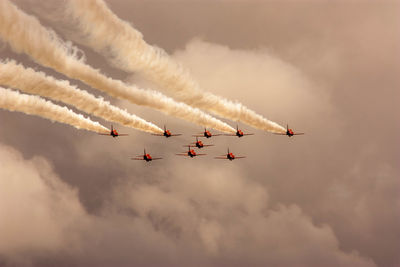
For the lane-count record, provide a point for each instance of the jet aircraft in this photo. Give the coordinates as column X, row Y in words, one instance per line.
column 206, row 134
column 229, row 156
column 239, row 133
column 199, row 144
column 167, row 133
column 113, row 133
column 289, row 132
column 190, row 153
column 145, row 157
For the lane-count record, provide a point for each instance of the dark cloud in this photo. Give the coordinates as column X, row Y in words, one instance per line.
column 218, row 219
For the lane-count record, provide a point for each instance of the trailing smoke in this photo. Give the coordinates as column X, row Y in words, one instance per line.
column 24, row 33
column 34, row 105
column 31, row 81
column 106, row 33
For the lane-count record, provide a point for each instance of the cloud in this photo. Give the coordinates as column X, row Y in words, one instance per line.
column 39, row 213
column 257, row 76
column 215, row 219
column 227, row 218
column 352, row 185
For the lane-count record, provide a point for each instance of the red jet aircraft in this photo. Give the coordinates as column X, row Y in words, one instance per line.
column 289, row 132
column 206, row 134
column 239, row 133
column 190, row 153
column 145, row 157
column 229, row 156
column 167, row 133
column 199, row 144
column 113, row 133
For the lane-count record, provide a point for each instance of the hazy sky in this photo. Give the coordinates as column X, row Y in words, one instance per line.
column 329, row 198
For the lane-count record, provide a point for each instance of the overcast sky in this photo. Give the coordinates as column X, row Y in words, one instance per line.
column 330, row 69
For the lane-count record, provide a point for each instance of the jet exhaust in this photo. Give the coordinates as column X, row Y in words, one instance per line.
column 34, row 105
column 25, row 34
column 34, row 82
column 103, row 31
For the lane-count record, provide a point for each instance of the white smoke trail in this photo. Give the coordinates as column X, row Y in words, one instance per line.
column 29, row 104
column 31, row 81
column 105, row 32
column 24, row 33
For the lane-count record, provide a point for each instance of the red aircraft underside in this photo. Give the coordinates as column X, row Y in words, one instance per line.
column 167, row 133
column 239, row 133
column 190, row 153
column 289, row 132
column 206, row 134
column 113, row 133
column 200, row 144
column 145, row 157
column 229, row 156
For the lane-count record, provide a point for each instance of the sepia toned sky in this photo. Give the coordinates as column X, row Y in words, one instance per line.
column 330, row 69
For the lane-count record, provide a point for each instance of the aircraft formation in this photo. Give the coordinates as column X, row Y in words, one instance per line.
column 185, row 99
column 198, row 144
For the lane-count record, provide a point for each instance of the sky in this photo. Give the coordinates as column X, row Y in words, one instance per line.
column 330, row 69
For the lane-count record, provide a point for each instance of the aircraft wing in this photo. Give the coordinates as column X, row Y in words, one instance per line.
column 182, row 154
column 298, row 133
column 200, row 154
column 220, row 157
column 229, row 134
column 136, row 159
column 156, row 158
column 104, row 134
column 239, row 157
column 158, row 134
column 248, row 134
column 280, row 133
column 208, row 145
column 176, row 134
column 123, row 134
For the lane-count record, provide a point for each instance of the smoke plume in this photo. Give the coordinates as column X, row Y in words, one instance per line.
column 24, row 33
column 106, row 33
column 31, row 81
column 35, row 105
